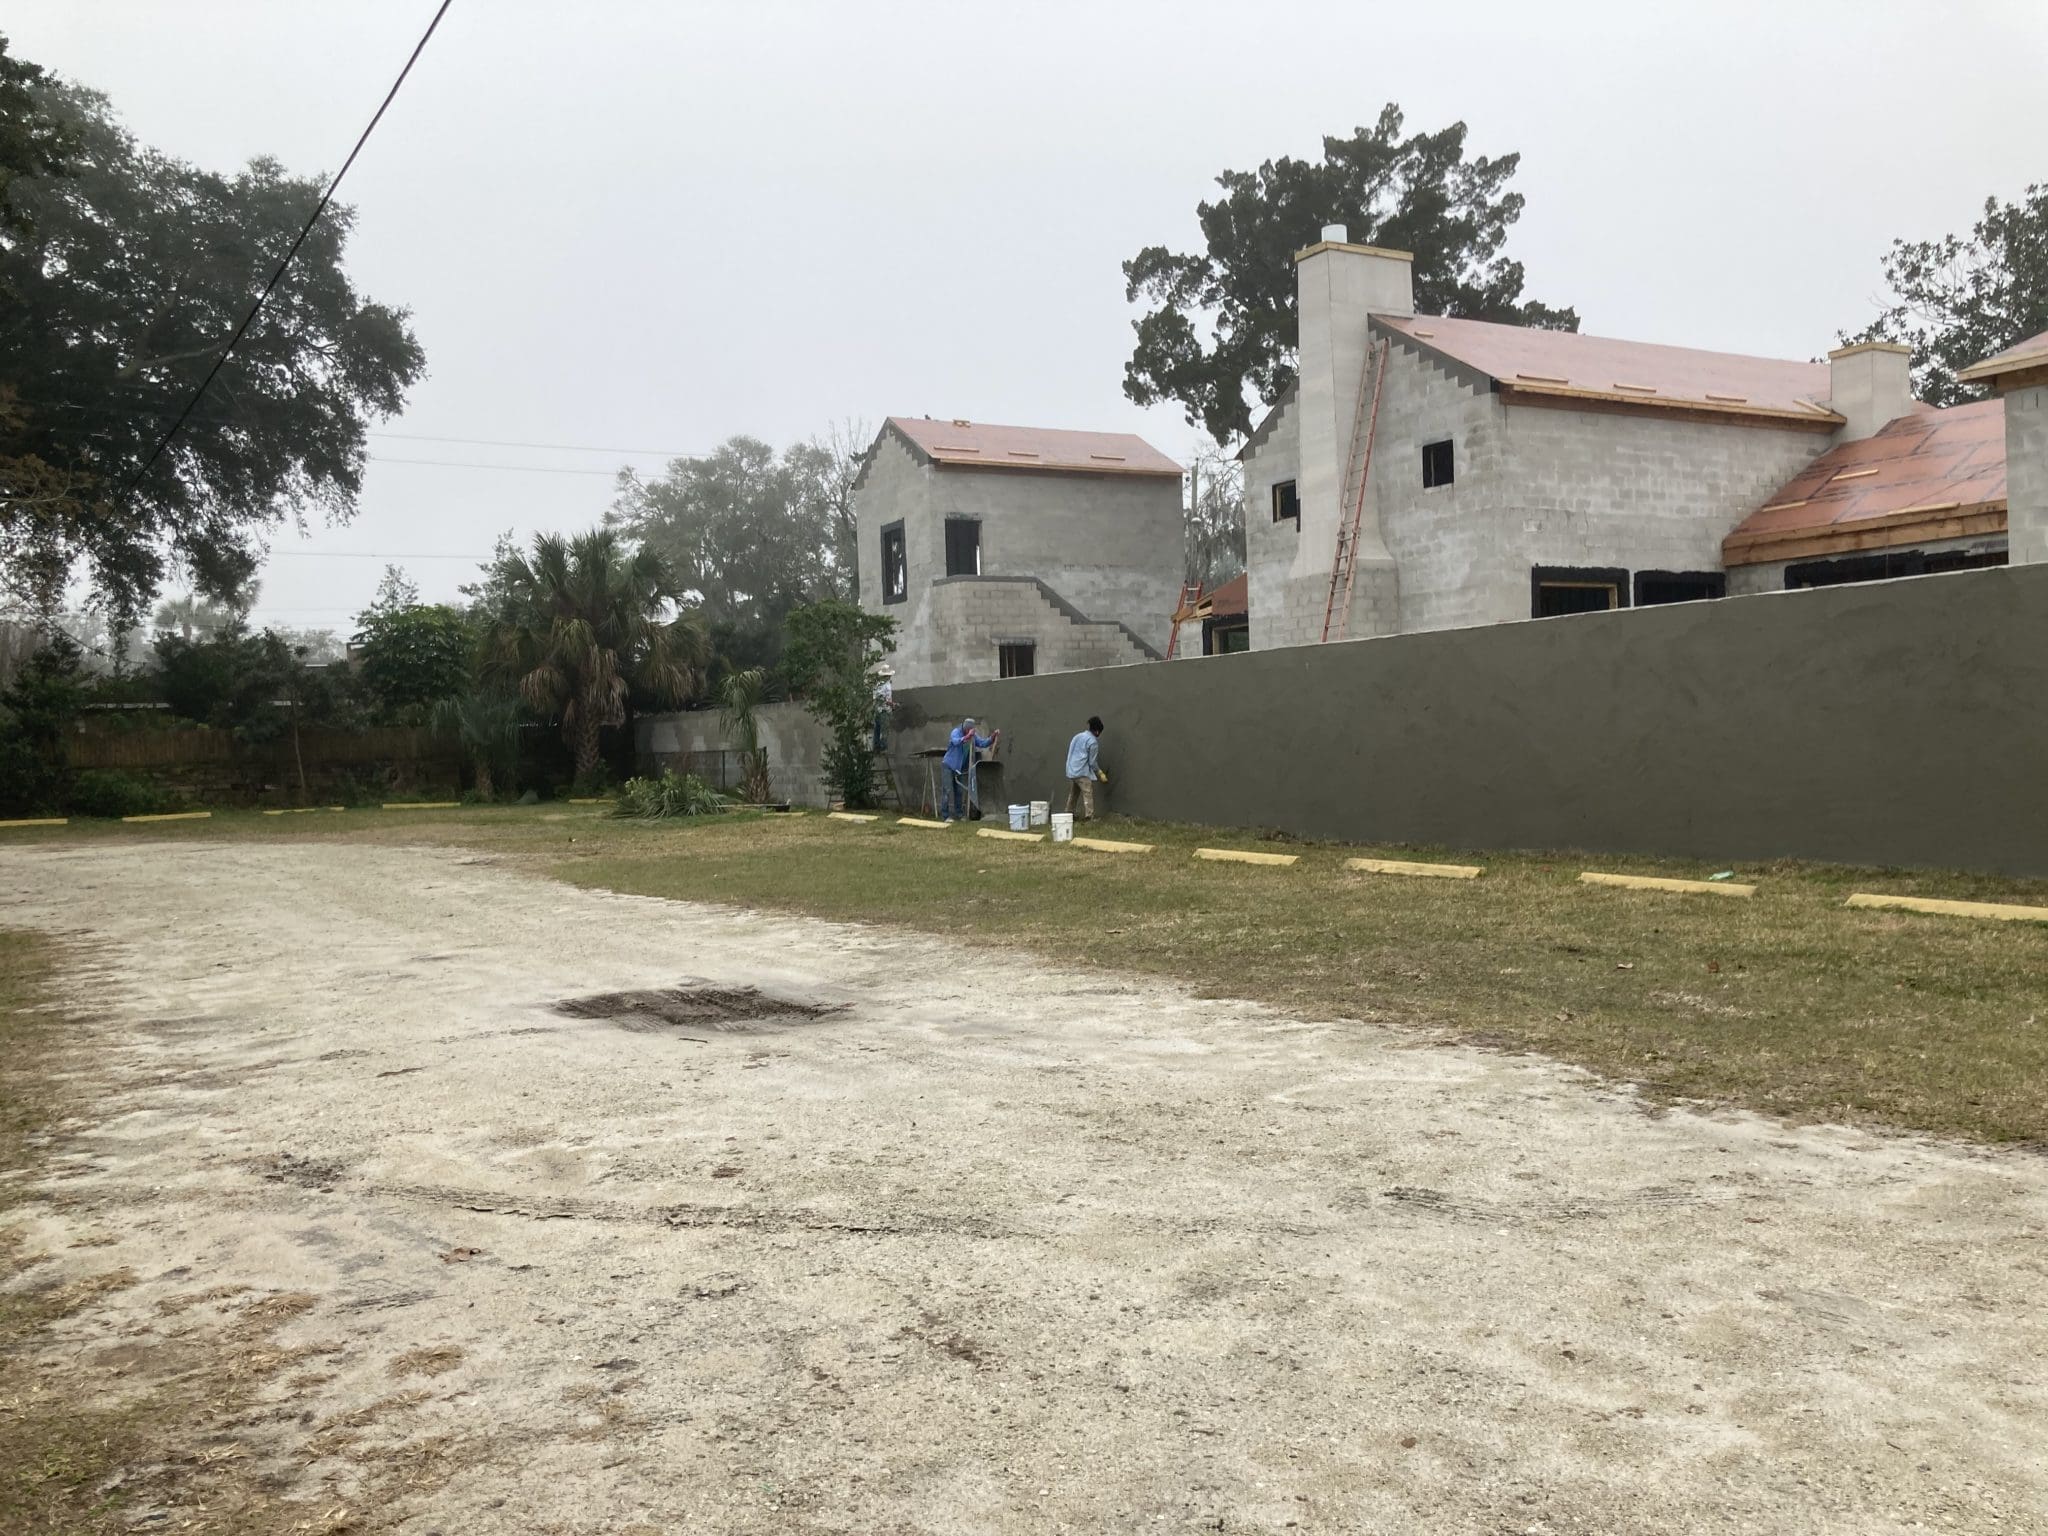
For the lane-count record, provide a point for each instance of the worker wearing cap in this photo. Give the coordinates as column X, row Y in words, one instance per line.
column 1084, row 769
column 963, row 747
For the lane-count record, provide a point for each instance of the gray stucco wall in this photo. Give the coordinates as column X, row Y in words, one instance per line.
column 795, row 743
column 1110, row 545
column 1892, row 723
column 1533, row 486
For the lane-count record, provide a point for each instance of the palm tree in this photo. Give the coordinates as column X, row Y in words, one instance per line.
column 581, row 625
column 739, row 696
column 487, row 725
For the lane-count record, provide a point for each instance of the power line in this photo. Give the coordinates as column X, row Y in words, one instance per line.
column 275, row 277
column 528, row 469
column 359, row 554
column 138, row 412
column 495, row 442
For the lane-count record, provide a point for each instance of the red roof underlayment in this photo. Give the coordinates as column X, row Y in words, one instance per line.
column 1566, row 365
column 1930, row 474
column 2023, row 357
column 983, row 445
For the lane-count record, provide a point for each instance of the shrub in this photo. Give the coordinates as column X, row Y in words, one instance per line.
column 833, row 652
column 672, row 794
column 104, row 792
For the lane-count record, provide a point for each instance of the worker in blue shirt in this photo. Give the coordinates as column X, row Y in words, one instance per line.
column 963, row 749
column 1084, row 769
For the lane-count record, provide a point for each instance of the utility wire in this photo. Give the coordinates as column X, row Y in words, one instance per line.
column 496, row 442
column 362, row 554
column 136, row 412
column 530, row 469
column 275, row 277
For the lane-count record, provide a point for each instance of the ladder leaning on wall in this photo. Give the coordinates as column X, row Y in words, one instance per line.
column 1351, row 510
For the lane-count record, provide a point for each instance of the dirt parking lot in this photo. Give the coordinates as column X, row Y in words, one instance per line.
column 834, row 1229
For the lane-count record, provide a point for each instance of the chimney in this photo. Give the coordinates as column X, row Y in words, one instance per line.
column 1338, row 286
column 1869, row 383
column 2020, row 375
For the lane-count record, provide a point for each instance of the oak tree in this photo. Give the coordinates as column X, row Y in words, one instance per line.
column 1418, row 193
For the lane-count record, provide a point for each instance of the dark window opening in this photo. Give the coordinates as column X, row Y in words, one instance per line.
column 1226, row 637
column 895, row 565
column 1893, row 562
column 963, row 546
column 1438, row 466
column 1556, row 590
column 1016, row 658
column 1286, row 504
column 1654, row 587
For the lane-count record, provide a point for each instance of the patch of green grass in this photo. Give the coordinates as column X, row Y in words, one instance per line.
column 1788, row 1003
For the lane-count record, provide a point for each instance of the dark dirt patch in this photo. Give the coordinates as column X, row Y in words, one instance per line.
column 726, row 1010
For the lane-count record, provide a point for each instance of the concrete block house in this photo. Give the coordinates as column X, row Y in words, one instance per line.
column 1516, row 473
column 1009, row 551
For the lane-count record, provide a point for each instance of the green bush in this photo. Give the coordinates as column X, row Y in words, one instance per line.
column 672, row 794
column 104, row 792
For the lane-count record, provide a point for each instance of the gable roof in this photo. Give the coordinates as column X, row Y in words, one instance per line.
column 1928, row 474
column 2022, row 357
column 983, row 445
column 1568, row 365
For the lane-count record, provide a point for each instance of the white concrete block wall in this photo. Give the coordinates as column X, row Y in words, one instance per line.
column 1447, row 541
column 1584, row 488
column 1270, row 547
column 2026, row 473
column 976, row 617
column 1110, row 545
column 896, row 488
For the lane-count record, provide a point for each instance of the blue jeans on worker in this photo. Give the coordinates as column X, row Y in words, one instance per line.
column 953, row 799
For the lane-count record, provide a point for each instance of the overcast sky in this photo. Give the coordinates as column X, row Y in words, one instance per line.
column 650, row 224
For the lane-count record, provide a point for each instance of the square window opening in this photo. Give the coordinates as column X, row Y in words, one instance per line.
column 895, row 565
column 1017, row 658
column 1439, row 465
column 1286, row 504
column 963, row 546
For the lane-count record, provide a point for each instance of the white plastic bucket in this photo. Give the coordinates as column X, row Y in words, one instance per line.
column 1020, row 818
column 1039, row 808
column 1062, row 827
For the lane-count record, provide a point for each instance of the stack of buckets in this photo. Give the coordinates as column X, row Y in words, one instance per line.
column 1037, row 814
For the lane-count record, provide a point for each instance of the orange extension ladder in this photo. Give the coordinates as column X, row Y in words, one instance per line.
column 1363, row 426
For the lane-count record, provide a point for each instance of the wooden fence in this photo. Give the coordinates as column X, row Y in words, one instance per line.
column 143, row 750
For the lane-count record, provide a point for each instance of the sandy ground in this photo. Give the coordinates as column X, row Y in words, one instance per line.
column 995, row 1248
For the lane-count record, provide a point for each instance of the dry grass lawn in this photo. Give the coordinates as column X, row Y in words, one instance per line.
column 1788, row 1004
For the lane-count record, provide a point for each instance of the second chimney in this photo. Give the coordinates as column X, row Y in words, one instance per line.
column 1871, row 384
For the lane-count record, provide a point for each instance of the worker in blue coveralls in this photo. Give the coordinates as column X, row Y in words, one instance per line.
column 963, row 749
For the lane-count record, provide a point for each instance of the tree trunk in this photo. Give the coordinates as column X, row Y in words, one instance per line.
column 584, row 743
column 483, row 779
column 297, row 757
